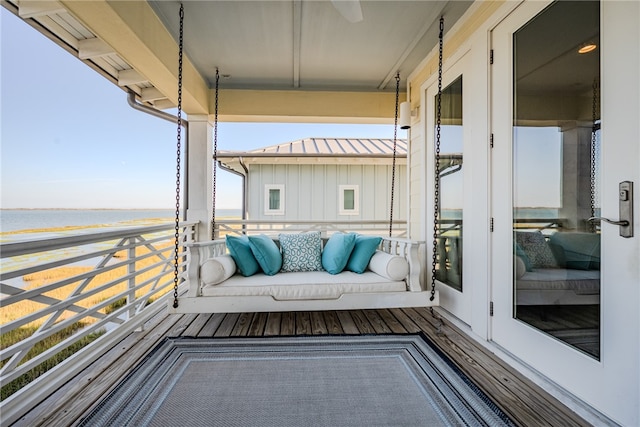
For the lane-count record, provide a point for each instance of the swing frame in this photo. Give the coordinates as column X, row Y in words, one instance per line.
column 414, row 294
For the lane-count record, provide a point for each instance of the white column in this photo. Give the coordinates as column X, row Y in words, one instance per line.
column 576, row 176
column 198, row 171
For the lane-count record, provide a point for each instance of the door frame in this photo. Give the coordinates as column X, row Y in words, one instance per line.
column 455, row 302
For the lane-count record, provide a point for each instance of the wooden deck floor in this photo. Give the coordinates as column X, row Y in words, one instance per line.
column 526, row 403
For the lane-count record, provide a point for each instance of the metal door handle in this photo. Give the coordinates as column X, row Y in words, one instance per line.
column 625, row 200
column 623, row 223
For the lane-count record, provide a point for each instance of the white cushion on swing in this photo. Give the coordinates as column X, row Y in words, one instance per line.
column 304, row 285
column 392, row 267
column 217, row 269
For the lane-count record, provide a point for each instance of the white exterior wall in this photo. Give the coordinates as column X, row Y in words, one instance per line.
column 311, row 192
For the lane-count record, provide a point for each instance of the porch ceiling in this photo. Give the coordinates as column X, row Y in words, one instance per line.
column 280, row 59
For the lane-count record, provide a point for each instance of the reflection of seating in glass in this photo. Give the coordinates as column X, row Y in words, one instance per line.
column 450, row 261
column 565, row 269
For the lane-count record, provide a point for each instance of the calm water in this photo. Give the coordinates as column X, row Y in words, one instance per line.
column 29, row 219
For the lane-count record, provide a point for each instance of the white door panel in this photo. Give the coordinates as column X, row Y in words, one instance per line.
column 542, row 121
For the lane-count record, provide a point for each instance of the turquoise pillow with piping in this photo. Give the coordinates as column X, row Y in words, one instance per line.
column 337, row 251
column 267, row 253
column 240, row 251
column 363, row 250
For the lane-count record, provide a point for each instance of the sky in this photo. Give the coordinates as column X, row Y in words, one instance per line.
column 70, row 140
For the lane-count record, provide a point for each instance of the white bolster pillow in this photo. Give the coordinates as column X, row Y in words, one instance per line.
column 519, row 267
column 217, row 269
column 389, row 266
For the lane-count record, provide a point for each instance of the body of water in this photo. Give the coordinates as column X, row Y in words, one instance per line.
column 39, row 219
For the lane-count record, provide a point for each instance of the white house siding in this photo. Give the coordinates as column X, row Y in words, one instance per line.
column 311, row 191
column 417, row 189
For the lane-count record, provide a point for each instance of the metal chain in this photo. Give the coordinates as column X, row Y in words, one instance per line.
column 215, row 161
column 176, row 262
column 395, row 144
column 594, row 129
column 436, row 192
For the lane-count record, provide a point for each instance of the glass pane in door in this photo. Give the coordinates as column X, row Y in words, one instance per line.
column 556, row 145
column 449, row 250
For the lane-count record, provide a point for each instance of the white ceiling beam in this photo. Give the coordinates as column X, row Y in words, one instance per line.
column 35, row 8
column 92, row 48
column 150, row 94
column 130, row 77
column 297, row 35
column 164, row 104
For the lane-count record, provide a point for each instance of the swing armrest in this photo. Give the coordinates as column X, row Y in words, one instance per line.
column 409, row 250
column 198, row 252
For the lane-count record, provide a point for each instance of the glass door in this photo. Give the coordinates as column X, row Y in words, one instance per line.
column 555, row 174
column 449, row 142
column 559, row 277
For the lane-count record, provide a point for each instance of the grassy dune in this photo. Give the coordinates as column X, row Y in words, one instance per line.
column 36, row 280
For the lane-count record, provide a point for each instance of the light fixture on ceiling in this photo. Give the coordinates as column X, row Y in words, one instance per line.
column 405, row 115
column 587, row 47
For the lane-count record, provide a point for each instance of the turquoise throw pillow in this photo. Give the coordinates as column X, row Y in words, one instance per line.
column 240, row 251
column 362, row 252
column 267, row 254
column 336, row 252
column 301, row 252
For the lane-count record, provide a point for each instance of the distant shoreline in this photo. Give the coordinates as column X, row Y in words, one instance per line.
column 103, row 209
column 86, row 209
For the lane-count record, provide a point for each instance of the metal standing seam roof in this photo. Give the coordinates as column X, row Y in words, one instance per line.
column 332, row 146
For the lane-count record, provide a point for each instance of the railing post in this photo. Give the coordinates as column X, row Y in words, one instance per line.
column 131, row 269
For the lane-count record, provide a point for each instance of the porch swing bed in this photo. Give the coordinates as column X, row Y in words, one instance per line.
column 344, row 271
column 391, row 279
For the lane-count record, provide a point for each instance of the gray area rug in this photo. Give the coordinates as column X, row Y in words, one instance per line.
column 383, row 380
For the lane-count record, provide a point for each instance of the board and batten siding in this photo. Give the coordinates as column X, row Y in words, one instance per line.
column 311, row 192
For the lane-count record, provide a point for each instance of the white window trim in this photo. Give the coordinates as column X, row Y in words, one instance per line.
column 267, row 188
column 356, row 201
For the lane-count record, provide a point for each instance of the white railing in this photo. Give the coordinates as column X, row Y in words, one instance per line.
column 94, row 287
column 272, row 228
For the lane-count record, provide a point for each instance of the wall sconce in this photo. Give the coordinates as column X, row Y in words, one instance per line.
column 405, row 115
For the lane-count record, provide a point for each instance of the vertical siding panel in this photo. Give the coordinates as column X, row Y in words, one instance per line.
column 336, row 177
column 317, row 186
column 307, row 192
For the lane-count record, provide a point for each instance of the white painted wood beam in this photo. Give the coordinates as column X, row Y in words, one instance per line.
column 92, row 48
column 35, row 8
column 138, row 36
column 297, row 35
column 150, row 94
column 130, row 77
column 164, row 104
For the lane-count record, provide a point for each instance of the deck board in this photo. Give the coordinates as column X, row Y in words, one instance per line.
column 526, row 403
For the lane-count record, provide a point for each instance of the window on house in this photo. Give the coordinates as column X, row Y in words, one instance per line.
column 274, row 199
column 349, row 200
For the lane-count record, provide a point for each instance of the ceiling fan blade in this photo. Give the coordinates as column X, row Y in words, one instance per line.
column 349, row 9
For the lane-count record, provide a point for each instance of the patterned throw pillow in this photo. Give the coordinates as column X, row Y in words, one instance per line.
column 301, row 252
column 535, row 247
